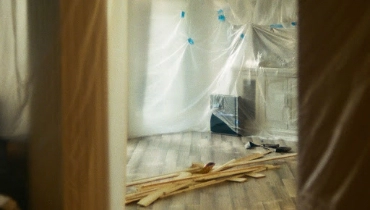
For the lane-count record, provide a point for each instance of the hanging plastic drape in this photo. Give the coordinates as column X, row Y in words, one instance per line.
column 194, row 64
column 14, row 75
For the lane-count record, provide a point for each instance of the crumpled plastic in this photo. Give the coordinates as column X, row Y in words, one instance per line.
column 186, row 53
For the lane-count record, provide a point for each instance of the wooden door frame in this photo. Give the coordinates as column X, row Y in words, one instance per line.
column 78, row 56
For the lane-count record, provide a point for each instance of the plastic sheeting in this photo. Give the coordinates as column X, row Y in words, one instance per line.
column 183, row 54
column 15, row 88
column 189, row 58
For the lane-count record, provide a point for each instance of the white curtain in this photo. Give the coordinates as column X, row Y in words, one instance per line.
column 182, row 52
column 14, row 75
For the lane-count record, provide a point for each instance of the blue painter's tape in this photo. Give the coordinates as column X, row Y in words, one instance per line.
column 294, row 23
column 182, row 14
column 191, row 41
column 242, row 36
column 221, row 18
column 276, row 26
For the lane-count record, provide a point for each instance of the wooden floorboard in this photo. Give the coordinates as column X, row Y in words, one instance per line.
column 161, row 154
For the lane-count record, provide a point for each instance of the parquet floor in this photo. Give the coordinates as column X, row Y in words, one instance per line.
column 161, row 154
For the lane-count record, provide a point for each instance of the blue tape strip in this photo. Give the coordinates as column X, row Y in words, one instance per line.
column 191, row 41
column 294, row 23
column 182, row 14
column 242, row 36
column 276, row 26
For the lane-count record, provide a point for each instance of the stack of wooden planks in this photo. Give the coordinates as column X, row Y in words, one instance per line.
column 200, row 175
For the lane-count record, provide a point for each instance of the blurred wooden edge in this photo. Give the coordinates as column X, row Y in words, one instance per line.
column 71, row 160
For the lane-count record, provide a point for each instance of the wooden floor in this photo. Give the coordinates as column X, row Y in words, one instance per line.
column 161, row 154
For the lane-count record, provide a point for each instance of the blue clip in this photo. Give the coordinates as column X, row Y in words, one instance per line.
column 294, row 23
column 191, row 41
column 242, row 36
column 182, row 14
column 221, row 16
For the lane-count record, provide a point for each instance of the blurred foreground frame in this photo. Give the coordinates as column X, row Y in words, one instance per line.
column 334, row 100
column 71, row 134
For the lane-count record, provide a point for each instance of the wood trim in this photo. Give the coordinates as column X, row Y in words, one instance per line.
column 117, row 14
column 84, row 104
column 78, row 130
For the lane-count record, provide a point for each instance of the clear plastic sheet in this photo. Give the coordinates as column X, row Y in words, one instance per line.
column 182, row 54
column 15, row 88
column 191, row 61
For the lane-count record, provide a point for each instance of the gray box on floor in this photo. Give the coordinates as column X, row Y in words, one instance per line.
column 231, row 115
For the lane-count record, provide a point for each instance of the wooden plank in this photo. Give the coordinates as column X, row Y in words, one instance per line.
column 206, row 169
column 183, row 175
column 256, row 175
column 149, row 199
column 203, row 177
column 239, row 163
column 227, row 173
column 250, row 157
column 160, row 177
column 200, row 185
column 163, row 184
column 237, row 180
column 145, row 191
column 224, row 166
column 140, row 193
column 141, row 181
